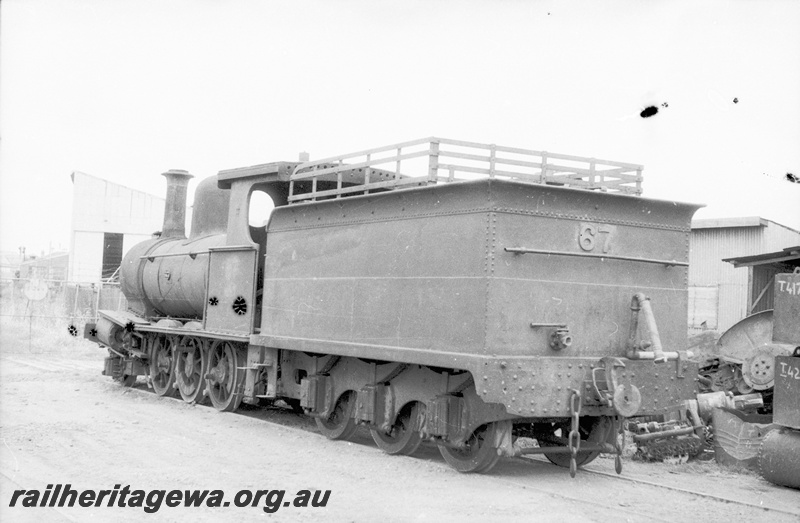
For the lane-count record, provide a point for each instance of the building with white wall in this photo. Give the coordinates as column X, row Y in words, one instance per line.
column 107, row 219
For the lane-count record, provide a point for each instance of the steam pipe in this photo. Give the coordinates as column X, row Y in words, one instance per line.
column 635, row 308
column 641, row 303
column 650, row 355
column 175, row 205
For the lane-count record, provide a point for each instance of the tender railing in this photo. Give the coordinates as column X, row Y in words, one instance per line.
column 433, row 160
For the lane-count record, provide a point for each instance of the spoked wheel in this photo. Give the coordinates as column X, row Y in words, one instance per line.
column 403, row 438
column 478, row 455
column 225, row 379
column 592, row 431
column 340, row 423
column 162, row 368
column 190, row 359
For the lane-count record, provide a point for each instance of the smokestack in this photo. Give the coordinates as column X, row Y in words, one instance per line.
column 175, row 206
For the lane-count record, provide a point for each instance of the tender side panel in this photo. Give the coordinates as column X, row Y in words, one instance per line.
column 400, row 271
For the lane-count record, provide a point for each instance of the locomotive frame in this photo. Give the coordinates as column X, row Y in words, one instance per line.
column 493, row 294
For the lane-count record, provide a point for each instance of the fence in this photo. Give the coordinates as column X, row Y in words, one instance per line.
column 435, row 160
column 68, row 305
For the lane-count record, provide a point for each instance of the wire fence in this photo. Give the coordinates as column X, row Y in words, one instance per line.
column 57, row 304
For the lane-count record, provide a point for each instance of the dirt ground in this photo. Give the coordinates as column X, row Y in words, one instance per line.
column 62, row 422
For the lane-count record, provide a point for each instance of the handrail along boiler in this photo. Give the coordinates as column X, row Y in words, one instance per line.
column 476, row 295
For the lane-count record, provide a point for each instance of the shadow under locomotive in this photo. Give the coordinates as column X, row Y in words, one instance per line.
column 537, row 296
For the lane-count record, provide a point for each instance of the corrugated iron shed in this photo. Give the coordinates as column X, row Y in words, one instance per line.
column 762, row 269
column 719, row 295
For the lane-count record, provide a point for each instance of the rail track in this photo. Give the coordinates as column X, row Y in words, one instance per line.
column 593, row 470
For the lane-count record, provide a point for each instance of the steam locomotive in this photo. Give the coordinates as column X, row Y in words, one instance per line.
column 476, row 295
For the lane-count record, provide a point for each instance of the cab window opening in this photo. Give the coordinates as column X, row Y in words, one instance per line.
column 260, row 207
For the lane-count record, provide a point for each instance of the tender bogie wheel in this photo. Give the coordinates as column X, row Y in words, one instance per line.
column 225, row 378
column 340, row 423
column 190, row 369
column 162, row 365
column 592, row 430
column 478, row 455
column 404, row 437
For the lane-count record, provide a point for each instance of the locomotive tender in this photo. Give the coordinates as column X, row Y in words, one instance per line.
column 492, row 296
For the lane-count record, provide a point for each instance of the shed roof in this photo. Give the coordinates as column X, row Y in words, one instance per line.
column 787, row 254
column 718, row 223
column 737, row 222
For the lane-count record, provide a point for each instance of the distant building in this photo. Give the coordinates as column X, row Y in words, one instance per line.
column 49, row 267
column 9, row 264
column 107, row 219
column 719, row 294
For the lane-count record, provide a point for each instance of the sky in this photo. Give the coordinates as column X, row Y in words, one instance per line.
column 125, row 90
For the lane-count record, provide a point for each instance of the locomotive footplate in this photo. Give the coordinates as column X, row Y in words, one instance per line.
column 541, row 387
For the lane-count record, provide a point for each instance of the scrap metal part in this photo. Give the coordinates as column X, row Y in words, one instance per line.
column 779, row 454
column 666, row 440
column 709, row 401
column 748, row 348
column 738, row 436
column 754, row 343
column 779, row 457
column 673, row 439
column 758, row 370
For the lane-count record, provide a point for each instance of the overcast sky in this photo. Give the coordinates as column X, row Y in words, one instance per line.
column 125, row 90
